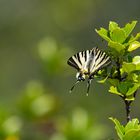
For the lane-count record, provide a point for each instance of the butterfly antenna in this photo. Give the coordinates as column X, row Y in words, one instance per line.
column 88, row 86
column 74, row 86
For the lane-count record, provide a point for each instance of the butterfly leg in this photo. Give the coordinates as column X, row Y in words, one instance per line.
column 74, row 85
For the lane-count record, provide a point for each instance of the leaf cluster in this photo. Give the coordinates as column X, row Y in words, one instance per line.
column 129, row 132
column 124, row 74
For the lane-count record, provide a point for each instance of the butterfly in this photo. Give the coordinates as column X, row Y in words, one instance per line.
column 88, row 63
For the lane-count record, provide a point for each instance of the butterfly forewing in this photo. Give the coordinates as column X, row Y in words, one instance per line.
column 81, row 60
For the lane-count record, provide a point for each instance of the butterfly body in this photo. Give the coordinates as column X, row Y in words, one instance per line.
column 88, row 63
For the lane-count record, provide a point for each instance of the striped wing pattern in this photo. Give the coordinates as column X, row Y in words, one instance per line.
column 99, row 60
column 89, row 60
column 81, row 60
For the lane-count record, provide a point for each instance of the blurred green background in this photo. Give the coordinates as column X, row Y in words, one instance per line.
column 36, row 39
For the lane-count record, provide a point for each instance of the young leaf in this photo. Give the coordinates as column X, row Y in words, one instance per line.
column 123, row 87
column 103, row 33
column 114, row 91
column 133, row 124
column 133, row 77
column 113, row 82
column 112, row 25
column 132, row 89
column 129, row 132
column 118, row 35
column 132, row 130
column 103, row 80
column 129, row 28
column 130, row 98
column 117, row 46
column 136, row 61
column 119, row 128
column 128, row 67
column 132, row 39
column 133, row 134
column 133, row 46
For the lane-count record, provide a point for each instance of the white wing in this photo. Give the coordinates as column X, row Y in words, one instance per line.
column 98, row 60
column 81, row 60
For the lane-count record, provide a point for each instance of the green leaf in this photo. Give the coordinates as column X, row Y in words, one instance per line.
column 136, row 61
column 119, row 128
column 132, row 135
column 128, row 67
column 134, row 65
column 123, row 87
column 133, row 77
column 103, row 33
column 129, row 58
column 118, row 35
column 117, row 46
column 130, row 132
column 138, row 78
column 113, row 82
column 129, row 28
column 114, row 91
column 132, row 89
column 133, row 124
column 130, row 98
column 133, row 46
column 112, row 25
column 132, row 39
column 138, row 67
column 103, row 80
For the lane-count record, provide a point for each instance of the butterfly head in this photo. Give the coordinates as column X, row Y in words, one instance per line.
column 80, row 76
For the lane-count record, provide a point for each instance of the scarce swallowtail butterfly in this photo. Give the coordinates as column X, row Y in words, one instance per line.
column 87, row 64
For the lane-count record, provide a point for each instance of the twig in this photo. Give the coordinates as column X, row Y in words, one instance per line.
column 127, row 103
column 128, row 109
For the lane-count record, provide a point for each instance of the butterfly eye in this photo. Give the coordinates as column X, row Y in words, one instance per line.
column 80, row 78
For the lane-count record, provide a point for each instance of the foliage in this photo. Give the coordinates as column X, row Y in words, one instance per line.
column 124, row 76
column 120, row 39
column 131, row 131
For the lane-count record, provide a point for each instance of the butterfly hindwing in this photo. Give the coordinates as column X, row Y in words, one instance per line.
column 98, row 61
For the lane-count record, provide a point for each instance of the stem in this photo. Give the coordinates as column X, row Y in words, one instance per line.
column 118, row 69
column 128, row 109
column 127, row 103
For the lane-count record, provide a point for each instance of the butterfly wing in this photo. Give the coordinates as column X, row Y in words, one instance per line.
column 81, row 60
column 98, row 60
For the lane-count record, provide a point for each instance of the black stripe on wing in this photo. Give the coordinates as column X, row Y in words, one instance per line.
column 72, row 63
column 79, row 60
